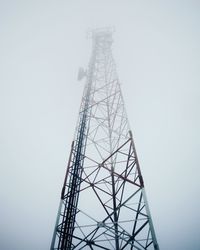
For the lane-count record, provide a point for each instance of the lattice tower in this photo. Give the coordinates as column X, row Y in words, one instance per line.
column 103, row 203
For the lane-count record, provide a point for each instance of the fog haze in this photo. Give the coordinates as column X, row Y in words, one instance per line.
column 156, row 50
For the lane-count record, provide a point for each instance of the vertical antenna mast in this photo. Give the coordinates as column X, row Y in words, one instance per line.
column 103, row 203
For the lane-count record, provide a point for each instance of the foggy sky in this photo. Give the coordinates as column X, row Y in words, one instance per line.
column 156, row 50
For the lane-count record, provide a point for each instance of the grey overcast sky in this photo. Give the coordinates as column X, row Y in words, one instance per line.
column 157, row 53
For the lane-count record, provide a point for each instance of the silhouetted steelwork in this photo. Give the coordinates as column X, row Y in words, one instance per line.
column 103, row 203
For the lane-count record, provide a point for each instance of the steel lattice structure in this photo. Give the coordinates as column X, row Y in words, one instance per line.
column 103, row 203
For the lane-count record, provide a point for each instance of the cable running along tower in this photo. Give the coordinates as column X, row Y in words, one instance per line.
column 103, row 203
